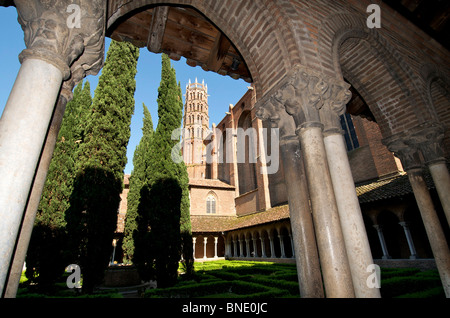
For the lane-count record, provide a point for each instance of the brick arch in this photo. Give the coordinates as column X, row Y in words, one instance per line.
column 437, row 88
column 354, row 51
column 256, row 29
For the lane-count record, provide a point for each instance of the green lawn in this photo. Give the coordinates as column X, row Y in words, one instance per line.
column 241, row 279
column 252, row 280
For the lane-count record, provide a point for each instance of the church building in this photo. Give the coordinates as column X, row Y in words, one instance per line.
column 238, row 198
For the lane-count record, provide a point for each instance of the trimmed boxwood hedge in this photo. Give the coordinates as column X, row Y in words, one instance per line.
column 231, row 279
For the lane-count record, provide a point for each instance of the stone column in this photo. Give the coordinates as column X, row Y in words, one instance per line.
column 382, row 241
column 283, row 253
column 205, row 241
column 247, row 246
column 216, row 239
column 263, row 246
column 235, row 248
column 429, row 140
column 303, row 93
column 405, row 148
column 409, row 239
column 303, row 242
column 255, row 249
column 194, row 240
column 35, row 195
column 353, row 229
column 272, row 248
column 52, row 47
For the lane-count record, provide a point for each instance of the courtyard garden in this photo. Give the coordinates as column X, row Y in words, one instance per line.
column 253, row 280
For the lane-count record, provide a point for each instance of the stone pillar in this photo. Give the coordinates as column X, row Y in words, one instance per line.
column 283, row 253
column 235, row 249
column 36, row 192
column 303, row 94
column 255, row 249
column 263, row 246
column 205, row 241
column 353, row 229
column 382, row 241
column 405, row 148
column 216, row 239
column 52, row 48
column 429, row 140
column 303, row 240
column 247, row 246
column 409, row 239
column 272, row 248
column 194, row 240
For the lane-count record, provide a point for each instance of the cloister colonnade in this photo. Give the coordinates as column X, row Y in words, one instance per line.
column 302, row 57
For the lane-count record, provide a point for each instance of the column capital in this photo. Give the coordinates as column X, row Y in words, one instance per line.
column 428, row 138
column 335, row 105
column 311, row 98
column 405, row 151
column 271, row 110
column 61, row 35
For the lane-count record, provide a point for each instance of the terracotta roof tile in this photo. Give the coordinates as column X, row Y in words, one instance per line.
column 392, row 187
column 211, row 183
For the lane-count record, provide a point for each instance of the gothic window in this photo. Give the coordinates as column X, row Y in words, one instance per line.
column 211, row 204
column 351, row 139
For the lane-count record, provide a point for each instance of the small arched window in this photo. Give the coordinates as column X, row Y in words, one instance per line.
column 211, row 204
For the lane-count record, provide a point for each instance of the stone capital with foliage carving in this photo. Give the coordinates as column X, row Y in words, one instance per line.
column 77, row 50
column 405, row 151
column 311, row 98
column 428, row 138
column 273, row 111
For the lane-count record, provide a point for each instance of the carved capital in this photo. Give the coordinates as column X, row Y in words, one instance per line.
column 52, row 36
column 429, row 140
column 272, row 111
column 407, row 153
column 302, row 95
column 335, row 105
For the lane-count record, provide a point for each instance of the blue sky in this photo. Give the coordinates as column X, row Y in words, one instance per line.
column 223, row 90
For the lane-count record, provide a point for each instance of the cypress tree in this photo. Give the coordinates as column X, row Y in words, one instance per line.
column 92, row 216
column 46, row 258
column 137, row 180
column 164, row 196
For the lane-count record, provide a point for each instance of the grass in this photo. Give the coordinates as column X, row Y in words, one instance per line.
column 242, row 279
column 253, row 280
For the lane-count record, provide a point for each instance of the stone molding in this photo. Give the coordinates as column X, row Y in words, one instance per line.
column 48, row 36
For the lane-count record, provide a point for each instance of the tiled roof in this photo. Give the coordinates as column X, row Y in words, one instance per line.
column 223, row 224
column 395, row 186
column 388, row 188
column 210, row 183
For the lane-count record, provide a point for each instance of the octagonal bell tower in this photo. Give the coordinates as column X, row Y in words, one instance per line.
column 196, row 126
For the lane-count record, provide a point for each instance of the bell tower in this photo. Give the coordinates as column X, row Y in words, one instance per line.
column 196, row 127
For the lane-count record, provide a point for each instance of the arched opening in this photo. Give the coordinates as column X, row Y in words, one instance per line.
column 393, row 235
column 365, row 62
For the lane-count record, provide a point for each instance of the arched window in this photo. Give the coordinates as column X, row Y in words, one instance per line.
column 211, row 204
